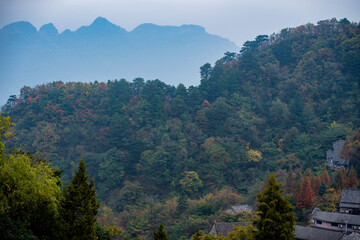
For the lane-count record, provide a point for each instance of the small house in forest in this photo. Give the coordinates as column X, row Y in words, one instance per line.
column 350, row 201
column 333, row 158
column 335, row 221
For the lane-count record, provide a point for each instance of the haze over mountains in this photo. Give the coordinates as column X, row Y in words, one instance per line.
column 103, row 51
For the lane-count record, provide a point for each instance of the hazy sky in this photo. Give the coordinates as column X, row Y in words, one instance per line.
column 238, row 20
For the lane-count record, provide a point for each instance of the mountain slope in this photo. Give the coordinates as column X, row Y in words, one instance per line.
column 278, row 105
column 103, row 51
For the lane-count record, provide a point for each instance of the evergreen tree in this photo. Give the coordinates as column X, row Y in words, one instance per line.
column 322, row 189
column 79, row 207
column 160, row 234
column 197, row 235
column 276, row 216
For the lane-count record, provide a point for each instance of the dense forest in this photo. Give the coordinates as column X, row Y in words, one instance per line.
column 182, row 156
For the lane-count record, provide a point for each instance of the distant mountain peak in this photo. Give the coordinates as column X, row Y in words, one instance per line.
column 48, row 29
column 101, row 21
column 21, row 27
column 102, row 24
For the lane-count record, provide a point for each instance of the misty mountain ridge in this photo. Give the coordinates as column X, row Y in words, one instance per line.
column 103, row 51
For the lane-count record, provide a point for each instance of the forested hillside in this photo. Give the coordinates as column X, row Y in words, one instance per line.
column 181, row 155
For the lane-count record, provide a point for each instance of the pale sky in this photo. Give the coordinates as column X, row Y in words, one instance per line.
column 237, row 20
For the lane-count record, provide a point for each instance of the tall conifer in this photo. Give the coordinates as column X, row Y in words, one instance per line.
column 276, row 216
column 160, row 234
column 79, row 207
column 315, row 184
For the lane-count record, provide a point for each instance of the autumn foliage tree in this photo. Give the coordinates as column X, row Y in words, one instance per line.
column 351, row 148
column 340, row 178
column 315, row 184
column 352, row 180
column 306, row 195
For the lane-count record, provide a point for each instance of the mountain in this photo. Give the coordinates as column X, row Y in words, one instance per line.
column 181, row 155
column 103, row 51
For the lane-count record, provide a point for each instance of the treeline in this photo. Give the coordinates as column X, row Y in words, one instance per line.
column 157, row 150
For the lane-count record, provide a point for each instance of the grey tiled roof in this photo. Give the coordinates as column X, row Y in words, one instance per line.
column 352, row 236
column 350, row 197
column 336, row 217
column 309, row 233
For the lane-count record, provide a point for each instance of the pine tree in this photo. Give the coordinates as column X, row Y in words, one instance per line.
column 160, row 234
column 322, row 189
column 197, row 235
column 79, row 207
column 265, row 181
column 276, row 216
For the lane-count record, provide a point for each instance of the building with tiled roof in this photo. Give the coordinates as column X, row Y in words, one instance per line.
column 350, row 201
column 335, row 221
column 311, row 233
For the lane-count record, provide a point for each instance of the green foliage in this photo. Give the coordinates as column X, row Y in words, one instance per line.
column 190, row 182
column 243, row 233
column 30, row 193
column 102, row 234
column 288, row 96
column 14, row 229
column 322, row 189
column 5, row 124
column 197, row 235
column 160, row 234
column 276, row 215
column 79, row 207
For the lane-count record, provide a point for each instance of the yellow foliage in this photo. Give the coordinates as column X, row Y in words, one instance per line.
column 253, row 155
column 5, row 124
